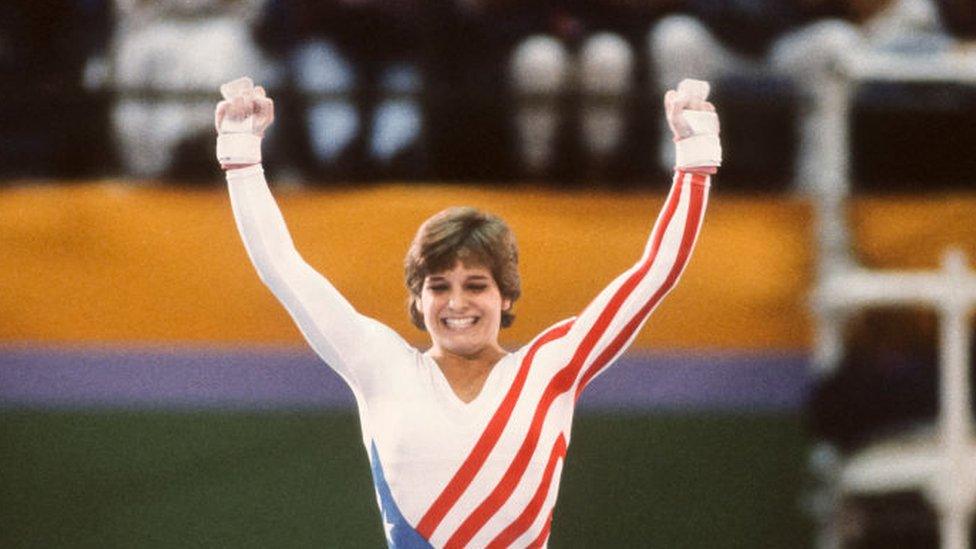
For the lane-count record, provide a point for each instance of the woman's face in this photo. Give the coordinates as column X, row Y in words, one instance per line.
column 462, row 310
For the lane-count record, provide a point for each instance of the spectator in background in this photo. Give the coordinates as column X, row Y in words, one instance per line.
column 791, row 43
column 353, row 70
column 541, row 74
column 588, row 46
column 168, row 58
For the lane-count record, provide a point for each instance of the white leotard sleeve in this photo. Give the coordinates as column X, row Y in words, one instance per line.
column 607, row 326
column 352, row 344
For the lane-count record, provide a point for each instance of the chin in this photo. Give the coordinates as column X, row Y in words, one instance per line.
column 465, row 348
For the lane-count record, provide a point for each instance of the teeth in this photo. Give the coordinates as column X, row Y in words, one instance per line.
column 459, row 322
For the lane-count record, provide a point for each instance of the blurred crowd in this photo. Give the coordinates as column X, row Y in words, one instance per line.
column 484, row 90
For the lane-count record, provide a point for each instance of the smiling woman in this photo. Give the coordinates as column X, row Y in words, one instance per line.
column 451, row 272
column 471, row 237
column 462, row 311
column 466, row 440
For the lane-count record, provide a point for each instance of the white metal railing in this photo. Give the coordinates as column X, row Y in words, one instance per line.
column 943, row 469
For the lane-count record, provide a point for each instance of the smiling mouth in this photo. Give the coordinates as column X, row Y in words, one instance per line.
column 460, row 323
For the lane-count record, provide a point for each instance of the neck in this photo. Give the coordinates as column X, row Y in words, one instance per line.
column 466, row 374
column 473, row 364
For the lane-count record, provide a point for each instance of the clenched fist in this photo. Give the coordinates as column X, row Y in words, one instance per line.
column 241, row 119
column 695, row 126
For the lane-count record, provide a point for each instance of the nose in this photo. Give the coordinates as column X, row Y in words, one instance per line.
column 456, row 301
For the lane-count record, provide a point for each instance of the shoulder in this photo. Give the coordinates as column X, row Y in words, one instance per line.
column 388, row 336
column 378, row 352
column 553, row 338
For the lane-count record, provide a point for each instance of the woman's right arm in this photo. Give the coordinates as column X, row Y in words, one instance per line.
column 334, row 329
column 345, row 339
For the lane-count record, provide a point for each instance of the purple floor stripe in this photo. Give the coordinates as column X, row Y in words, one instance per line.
column 719, row 381
column 247, row 378
column 294, row 378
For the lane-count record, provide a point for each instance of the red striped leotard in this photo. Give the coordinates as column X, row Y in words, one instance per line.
column 483, row 473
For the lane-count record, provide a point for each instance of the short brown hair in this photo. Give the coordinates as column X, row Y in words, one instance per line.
column 472, row 237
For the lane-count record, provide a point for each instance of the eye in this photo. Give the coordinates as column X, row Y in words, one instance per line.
column 477, row 287
column 437, row 287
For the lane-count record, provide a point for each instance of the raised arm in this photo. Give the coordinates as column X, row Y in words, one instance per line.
column 607, row 326
column 340, row 335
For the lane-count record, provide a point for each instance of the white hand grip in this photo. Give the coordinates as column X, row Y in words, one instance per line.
column 701, row 122
column 238, row 148
column 696, row 89
column 236, row 142
column 703, row 147
column 229, row 91
column 237, row 87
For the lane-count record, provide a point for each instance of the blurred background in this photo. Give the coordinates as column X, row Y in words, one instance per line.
column 808, row 384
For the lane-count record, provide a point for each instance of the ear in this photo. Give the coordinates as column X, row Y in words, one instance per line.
column 506, row 304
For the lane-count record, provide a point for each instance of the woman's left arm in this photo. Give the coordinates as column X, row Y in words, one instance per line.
column 607, row 326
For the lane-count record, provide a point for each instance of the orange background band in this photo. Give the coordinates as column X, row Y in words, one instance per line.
column 122, row 263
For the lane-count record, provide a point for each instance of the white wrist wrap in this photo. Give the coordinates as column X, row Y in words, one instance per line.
column 698, row 151
column 248, row 172
column 703, row 148
column 238, row 148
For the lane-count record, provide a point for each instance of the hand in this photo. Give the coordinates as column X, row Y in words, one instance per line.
column 690, row 95
column 241, row 120
column 695, row 126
